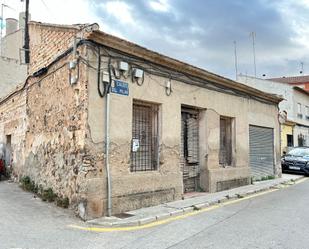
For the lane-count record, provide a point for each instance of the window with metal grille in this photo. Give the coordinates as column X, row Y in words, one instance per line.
column 144, row 148
column 225, row 154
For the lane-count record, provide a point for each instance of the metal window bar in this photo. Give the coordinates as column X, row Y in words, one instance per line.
column 144, row 147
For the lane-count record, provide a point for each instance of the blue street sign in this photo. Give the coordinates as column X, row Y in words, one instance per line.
column 120, row 87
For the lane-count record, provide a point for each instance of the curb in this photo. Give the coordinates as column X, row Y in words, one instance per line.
column 195, row 207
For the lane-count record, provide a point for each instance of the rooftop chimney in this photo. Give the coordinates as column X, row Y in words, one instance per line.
column 22, row 18
column 11, row 25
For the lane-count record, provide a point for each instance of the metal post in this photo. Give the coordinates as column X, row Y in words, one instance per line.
column 107, row 138
column 235, row 54
column 253, row 47
column 26, row 45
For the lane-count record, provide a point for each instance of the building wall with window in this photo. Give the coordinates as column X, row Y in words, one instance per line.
column 283, row 89
column 221, row 165
column 295, row 108
column 172, row 129
column 301, row 108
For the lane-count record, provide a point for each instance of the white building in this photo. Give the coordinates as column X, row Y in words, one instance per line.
column 12, row 70
column 294, row 109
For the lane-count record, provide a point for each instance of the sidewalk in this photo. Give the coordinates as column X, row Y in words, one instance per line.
column 190, row 203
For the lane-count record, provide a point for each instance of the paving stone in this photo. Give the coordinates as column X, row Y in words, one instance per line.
column 125, row 223
column 163, row 216
column 188, row 210
column 201, row 206
column 146, row 220
column 176, row 212
column 175, row 208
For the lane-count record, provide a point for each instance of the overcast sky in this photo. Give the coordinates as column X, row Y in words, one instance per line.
column 200, row 32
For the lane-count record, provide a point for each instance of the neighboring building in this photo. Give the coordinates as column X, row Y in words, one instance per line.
column 300, row 81
column 294, row 110
column 12, row 69
column 165, row 128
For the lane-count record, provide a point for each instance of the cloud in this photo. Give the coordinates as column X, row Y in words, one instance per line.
column 200, row 32
column 121, row 11
column 55, row 11
column 161, row 5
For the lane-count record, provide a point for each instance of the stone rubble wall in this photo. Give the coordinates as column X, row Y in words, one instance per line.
column 13, row 121
column 56, row 155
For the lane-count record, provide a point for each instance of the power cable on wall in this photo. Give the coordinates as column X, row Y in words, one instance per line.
column 175, row 75
column 151, row 69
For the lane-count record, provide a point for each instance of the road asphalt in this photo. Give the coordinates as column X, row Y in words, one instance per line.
column 277, row 218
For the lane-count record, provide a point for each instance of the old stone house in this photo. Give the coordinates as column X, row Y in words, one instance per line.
column 114, row 126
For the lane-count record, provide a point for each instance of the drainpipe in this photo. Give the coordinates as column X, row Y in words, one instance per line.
column 26, row 45
column 107, row 138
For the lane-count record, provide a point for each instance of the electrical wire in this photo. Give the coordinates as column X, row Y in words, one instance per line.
column 192, row 80
column 114, row 72
column 101, row 94
column 152, row 68
column 48, row 74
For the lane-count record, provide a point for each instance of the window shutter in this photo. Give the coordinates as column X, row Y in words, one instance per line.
column 192, row 136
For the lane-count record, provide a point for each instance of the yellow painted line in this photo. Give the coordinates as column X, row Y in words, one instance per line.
column 179, row 217
column 301, row 180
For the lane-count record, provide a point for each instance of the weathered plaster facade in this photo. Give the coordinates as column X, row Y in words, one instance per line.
column 65, row 136
column 168, row 178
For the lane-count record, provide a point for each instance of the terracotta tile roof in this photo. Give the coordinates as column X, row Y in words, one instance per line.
column 292, row 80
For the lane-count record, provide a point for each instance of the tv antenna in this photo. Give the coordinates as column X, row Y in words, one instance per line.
column 301, row 68
column 235, row 55
column 253, row 35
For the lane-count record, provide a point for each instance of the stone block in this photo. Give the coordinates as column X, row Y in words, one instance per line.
column 146, row 220
column 176, row 212
column 163, row 216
